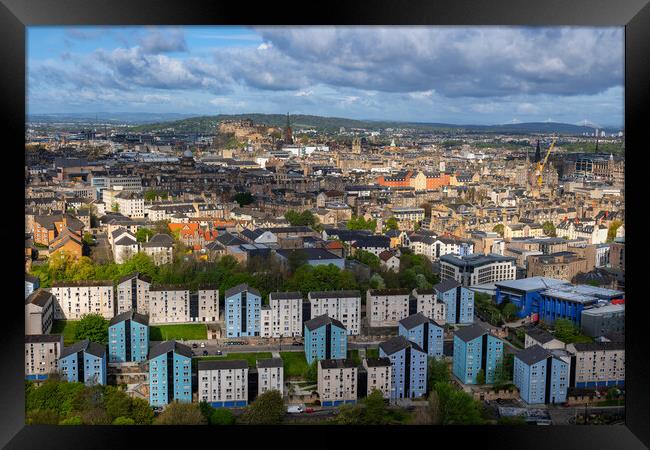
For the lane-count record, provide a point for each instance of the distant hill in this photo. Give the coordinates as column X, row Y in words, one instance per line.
column 186, row 123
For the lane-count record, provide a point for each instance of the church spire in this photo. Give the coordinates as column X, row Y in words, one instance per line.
column 538, row 153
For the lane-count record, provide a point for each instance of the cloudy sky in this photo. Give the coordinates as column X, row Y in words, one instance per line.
column 466, row 75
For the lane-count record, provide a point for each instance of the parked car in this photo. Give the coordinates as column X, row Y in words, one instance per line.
column 218, row 353
column 202, row 344
column 195, row 346
column 309, row 410
column 296, row 343
column 295, row 409
column 205, row 353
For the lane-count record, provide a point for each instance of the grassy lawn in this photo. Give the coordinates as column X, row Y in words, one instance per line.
column 190, row 331
column 251, row 358
column 354, row 356
column 372, row 353
column 66, row 328
column 295, row 363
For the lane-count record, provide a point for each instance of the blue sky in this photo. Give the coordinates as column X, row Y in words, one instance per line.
column 467, row 75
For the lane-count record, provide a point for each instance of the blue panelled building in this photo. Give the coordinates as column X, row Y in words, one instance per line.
column 128, row 338
column 475, row 349
column 458, row 299
column 325, row 338
column 170, row 373
column 409, row 367
column 525, row 293
column 541, row 375
column 83, row 362
column 243, row 306
column 425, row 332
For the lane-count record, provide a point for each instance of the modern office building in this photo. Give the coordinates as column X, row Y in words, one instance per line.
column 42, row 353
column 243, row 316
column 83, row 362
column 386, row 307
column 344, row 306
column 425, row 332
column 170, row 373
column 475, row 349
column 525, row 293
column 133, row 293
column 542, row 375
column 337, row 381
column 325, row 338
column 270, row 375
column 409, row 367
column 597, row 364
column 568, row 301
column 458, row 300
column 39, row 312
column 283, row 315
column 477, row 269
column 128, row 338
column 223, row 383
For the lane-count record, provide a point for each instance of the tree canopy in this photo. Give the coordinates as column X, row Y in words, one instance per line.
column 305, row 218
column 178, row 413
column 92, row 327
column 266, row 409
column 359, row 223
column 243, row 198
column 548, row 228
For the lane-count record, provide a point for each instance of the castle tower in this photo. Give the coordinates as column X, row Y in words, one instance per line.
column 356, row 145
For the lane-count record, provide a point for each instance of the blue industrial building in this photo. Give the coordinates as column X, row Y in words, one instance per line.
column 525, row 293
column 568, row 301
column 128, row 338
column 243, row 306
column 458, row 299
column 409, row 367
column 541, row 375
column 325, row 338
column 475, row 349
column 170, row 373
column 83, row 362
column 425, row 332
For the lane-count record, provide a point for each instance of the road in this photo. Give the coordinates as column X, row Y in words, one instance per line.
column 101, row 251
column 565, row 415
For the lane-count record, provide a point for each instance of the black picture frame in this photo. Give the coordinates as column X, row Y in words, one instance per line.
column 15, row 15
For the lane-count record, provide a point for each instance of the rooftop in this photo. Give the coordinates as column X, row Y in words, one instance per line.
column 337, row 364
column 398, row 343
column 320, row 321
column 223, row 364
column 531, row 284
column 170, row 346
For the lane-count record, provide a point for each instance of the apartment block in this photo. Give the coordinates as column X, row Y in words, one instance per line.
column 458, row 300
column 42, row 353
column 477, row 269
column 223, row 383
column 425, row 332
column 476, row 349
column 73, row 299
column 128, row 338
column 378, row 375
column 243, row 311
column 337, row 381
column 387, row 307
column 325, row 338
column 177, row 304
column 541, row 375
column 428, row 304
column 270, row 375
column 409, row 367
column 344, row 306
column 283, row 315
column 133, row 293
column 39, row 312
column 83, row 362
column 170, row 373
column 597, row 364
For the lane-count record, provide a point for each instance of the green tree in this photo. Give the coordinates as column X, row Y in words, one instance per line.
column 498, row 229
column 267, row 409
column 305, row 218
column 222, row 416
column 480, row 377
column 375, row 409
column 438, row 371
column 509, row 311
column 42, row 417
column 243, row 198
column 206, row 410
column 567, row 332
column 349, row 415
column 115, row 207
column 613, row 228
column 297, row 258
column 116, row 402
column 143, row 234
column 369, row 259
column 548, row 228
column 391, row 224
column 150, row 195
column 92, row 327
column 88, row 239
column 141, row 412
column 73, row 420
column 377, row 282
column 511, row 420
column 457, row 407
column 178, row 413
column 359, row 223
column 311, row 372
column 123, row 421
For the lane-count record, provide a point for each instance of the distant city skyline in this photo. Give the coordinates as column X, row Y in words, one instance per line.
column 461, row 75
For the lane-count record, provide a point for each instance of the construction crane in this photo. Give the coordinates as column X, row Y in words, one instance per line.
column 542, row 164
